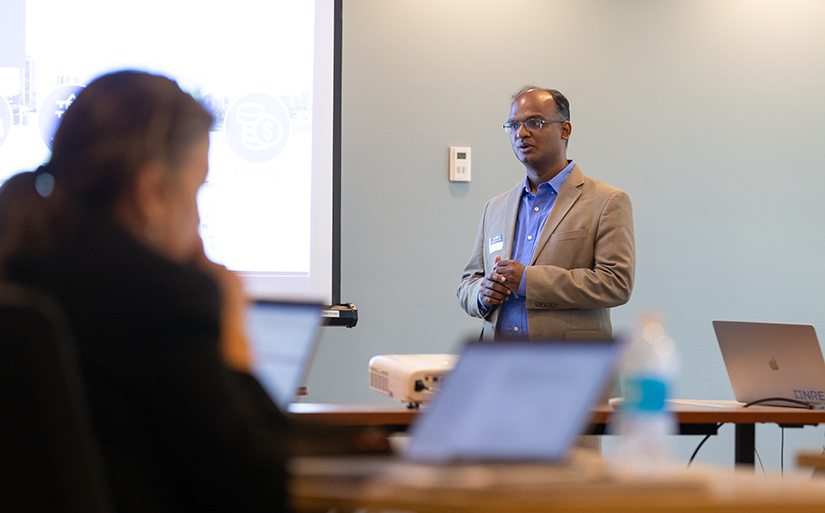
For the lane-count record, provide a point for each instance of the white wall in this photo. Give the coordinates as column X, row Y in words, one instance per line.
column 708, row 113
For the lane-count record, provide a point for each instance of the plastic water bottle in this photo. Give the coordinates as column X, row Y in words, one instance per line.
column 648, row 371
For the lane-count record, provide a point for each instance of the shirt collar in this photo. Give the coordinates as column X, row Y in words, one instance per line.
column 556, row 182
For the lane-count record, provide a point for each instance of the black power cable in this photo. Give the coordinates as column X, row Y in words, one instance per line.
column 808, row 406
column 804, row 404
column 702, row 443
column 760, row 460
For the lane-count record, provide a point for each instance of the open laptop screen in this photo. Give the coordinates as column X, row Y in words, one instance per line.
column 283, row 336
column 514, row 401
column 767, row 360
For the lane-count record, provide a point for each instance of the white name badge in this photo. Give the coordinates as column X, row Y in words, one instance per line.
column 496, row 243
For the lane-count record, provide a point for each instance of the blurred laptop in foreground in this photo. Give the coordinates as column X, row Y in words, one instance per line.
column 513, row 401
column 283, row 336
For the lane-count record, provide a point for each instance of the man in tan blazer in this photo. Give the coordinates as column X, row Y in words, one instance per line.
column 556, row 252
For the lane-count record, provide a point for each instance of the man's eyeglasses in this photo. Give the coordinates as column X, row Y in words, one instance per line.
column 529, row 124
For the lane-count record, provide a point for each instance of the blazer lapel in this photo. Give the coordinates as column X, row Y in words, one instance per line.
column 510, row 214
column 568, row 195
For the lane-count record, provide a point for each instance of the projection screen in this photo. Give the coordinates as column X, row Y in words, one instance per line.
column 265, row 69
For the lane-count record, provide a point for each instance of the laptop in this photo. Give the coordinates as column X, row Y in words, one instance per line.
column 283, row 337
column 766, row 360
column 513, row 401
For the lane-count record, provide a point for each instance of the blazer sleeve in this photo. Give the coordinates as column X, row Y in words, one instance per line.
column 608, row 283
column 473, row 273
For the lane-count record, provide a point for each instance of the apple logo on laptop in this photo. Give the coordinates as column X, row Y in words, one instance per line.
column 772, row 364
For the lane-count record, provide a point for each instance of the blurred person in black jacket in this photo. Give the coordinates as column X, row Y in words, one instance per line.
column 109, row 228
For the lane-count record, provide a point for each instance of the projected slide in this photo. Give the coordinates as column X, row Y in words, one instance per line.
column 251, row 63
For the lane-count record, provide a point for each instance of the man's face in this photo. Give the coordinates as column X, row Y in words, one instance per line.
column 543, row 148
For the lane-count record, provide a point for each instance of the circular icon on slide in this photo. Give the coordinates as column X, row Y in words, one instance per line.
column 257, row 127
column 5, row 120
column 52, row 109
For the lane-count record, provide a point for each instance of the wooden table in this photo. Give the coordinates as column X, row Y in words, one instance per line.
column 812, row 459
column 694, row 417
column 582, row 486
column 394, row 415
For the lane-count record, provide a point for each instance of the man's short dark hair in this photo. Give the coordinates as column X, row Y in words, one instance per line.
column 562, row 105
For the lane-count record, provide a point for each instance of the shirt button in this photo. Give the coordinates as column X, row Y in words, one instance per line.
column 552, row 192
column 515, row 329
column 529, row 237
column 536, row 209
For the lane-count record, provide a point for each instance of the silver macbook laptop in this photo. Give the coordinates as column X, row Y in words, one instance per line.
column 283, row 336
column 767, row 360
column 507, row 401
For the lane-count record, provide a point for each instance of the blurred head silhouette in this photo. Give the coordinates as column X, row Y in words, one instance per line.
column 132, row 147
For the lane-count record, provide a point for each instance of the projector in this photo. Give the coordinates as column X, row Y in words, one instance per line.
column 410, row 378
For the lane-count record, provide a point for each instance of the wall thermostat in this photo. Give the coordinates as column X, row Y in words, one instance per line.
column 459, row 163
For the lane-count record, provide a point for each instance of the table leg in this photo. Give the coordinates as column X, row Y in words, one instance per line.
column 745, row 444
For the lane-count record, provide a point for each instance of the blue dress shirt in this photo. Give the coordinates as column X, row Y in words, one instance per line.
column 532, row 214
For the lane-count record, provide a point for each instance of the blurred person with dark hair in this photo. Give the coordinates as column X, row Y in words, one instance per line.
column 109, row 228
